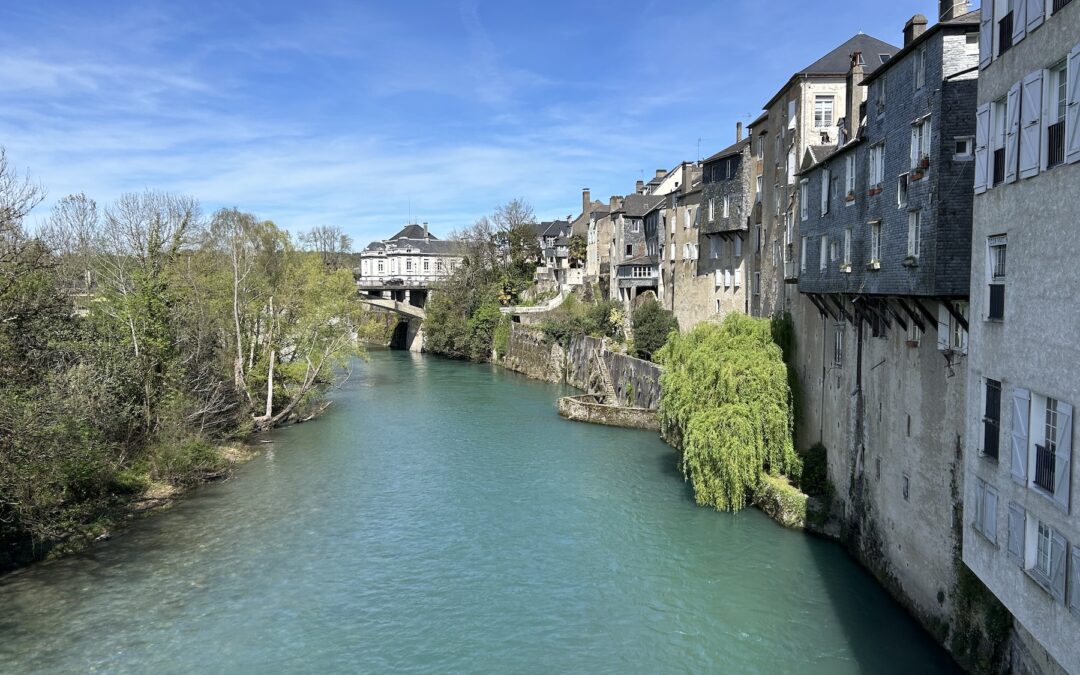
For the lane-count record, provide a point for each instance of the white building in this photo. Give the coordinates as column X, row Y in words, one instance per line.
column 412, row 258
column 1021, row 528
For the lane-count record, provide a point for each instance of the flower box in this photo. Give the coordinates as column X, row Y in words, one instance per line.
column 911, row 261
column 874, row 265
column 912, row 343
column 917, row 174
column 850, row 196
column 846, row 269
column 924, row 163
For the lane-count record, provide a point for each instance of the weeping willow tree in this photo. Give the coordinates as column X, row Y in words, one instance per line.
column 726, row 404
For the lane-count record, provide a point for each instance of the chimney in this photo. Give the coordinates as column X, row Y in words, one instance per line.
column 640, row 187
column 738, row 132
column 660, row 173
column 613, row 204
column 950, row 9
column 586, row 201
column 856, row 95
column 426, row 235
column 915, row 27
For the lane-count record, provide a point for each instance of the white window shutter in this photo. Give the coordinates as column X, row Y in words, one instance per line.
column 982, row 148
column 1063, row 463
column 944, row 321
column 1017, row 530
column 1031, row 124
column 1020, row 20
column 1072, row 114
column 1021, row 406
column 1012, row 132
column 980, row 502
column 738, row 277
column 719, row 278
column 727, row 278
column 1036, row 12
column 1058, row 555
column 990, row 516
column 738, row 246
column 1074, row 583
column 986, row 34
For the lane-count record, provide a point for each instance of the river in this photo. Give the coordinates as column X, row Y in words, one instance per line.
column 441, row 517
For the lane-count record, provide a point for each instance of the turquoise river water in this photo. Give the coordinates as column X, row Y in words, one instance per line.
column 441, row 517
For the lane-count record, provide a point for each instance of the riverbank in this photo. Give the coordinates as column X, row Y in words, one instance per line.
column 152, row 498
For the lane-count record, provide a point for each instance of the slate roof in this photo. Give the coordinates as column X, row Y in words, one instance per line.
column 411, row 232
column 837, row 63
column 971, row 19
column 552, row 228
column 820, row 152
column 640, row 260
column 735, row 149
column 636, row 206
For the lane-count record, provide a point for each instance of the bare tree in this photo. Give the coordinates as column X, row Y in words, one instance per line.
column 329, row 241
column 71, row 232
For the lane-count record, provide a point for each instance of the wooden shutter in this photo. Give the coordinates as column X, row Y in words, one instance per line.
column 1063, row 461
column 1036, row 11
column 1017, row 532
column 990, row 515
column 1012, row 132
column 986, row 34
column 1019, row 20
column 825, row 177
column 1021, row 406
column 977, row 518
column 1072, row 113
column 1074, row 582
column 1031, row 124
column 1058, row 556
column 982, row 148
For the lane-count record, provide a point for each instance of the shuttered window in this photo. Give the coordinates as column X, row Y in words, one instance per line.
column 1062, row 440
column 1074, row 581
column 1031, row 124
column 1012, row 132
column 1072, row 113
column 1036, row 11
column 985, row 516
column 825, row 180
column 986, row 36
column 982, row 148
column 1057, row 86
column 1019, row 20
column 804, row 199
column 995, row 264
column 1017, row 533
column 992, row 419
column 1021, row 406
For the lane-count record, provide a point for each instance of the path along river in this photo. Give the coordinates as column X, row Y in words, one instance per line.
column 442, row 518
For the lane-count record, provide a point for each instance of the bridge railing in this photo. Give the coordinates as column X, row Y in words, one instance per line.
column 416, row 281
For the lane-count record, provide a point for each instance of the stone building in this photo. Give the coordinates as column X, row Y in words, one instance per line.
column 884, row 220
column 1021, row 530
column 803, row 113
column 634, row 272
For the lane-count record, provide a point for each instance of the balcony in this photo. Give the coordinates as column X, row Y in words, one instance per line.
column 1005, row 34
column 406, row 280
column 1044, row 468
column 999, row 166
column 1055, row 144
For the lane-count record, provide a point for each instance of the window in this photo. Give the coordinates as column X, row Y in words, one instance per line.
column 838, row 345
column 1046, row 454
column 965, row 149
column 901, row 190
column 757, row 283
column 826, row 181
column 877, row 165
column 882, row 87
column 1041, row 550
column 849, row 181
column 920, row 68
column 712, row 209
column 802, row 255
column 804, row 199
column 687, row 218
column 759, row 189
column 914, row 337
column 991, row 419
column 408, row 265
column 1056, row 108
column 971, row 44
column 727, row 207
column 1042, row 444
column 996, row 247
column 427, row 265
column 914, row 233
column 985, row 516
column 875, row 241
column 761, row 147
column 629, row 250
column 642, row 272
column 791, row 115
column 381, row 267
column 824, row 252
column 738, row 246
column 834, row 251
column 920, row 145
column 714, row 247
column 847, row 248
column 439, row 265
column 997, row 140
column 958, row 335
column 1043, row 545
column 823, row 112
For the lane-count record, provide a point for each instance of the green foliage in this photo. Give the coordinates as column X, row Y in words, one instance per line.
column 602, row 318
column 783, row 334
column 184, row 461
column 652, row 325
column 501, row 339
column 725, row 403
column 781, row 501
column 579, row 250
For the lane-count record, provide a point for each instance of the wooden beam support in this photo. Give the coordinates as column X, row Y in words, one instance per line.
column 810, row 296
column 895, row 314
column 839, row 304
column 955, row 313
column 914, row 317
column 930, row 318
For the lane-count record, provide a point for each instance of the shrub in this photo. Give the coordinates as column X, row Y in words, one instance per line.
column 652, row 326
column 185, row 462
column 725, row 403
column 501, row 339
column 815, row 472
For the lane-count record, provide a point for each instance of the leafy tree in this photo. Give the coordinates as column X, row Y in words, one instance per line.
column 725, row 403
column 652, row 325
column 579, row 250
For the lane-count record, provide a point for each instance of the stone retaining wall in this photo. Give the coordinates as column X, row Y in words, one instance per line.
column 587, row 409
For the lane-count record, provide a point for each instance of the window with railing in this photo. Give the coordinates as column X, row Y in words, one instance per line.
column 997, row 250
column 1056, row 108
column 1005, row 33
column 999, row 166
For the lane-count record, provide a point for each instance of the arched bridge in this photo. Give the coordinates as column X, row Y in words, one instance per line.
column 403, row 308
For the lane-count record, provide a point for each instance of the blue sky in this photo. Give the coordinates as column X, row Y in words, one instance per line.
column 324, row 112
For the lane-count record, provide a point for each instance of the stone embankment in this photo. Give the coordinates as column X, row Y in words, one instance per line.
column 591, row 408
